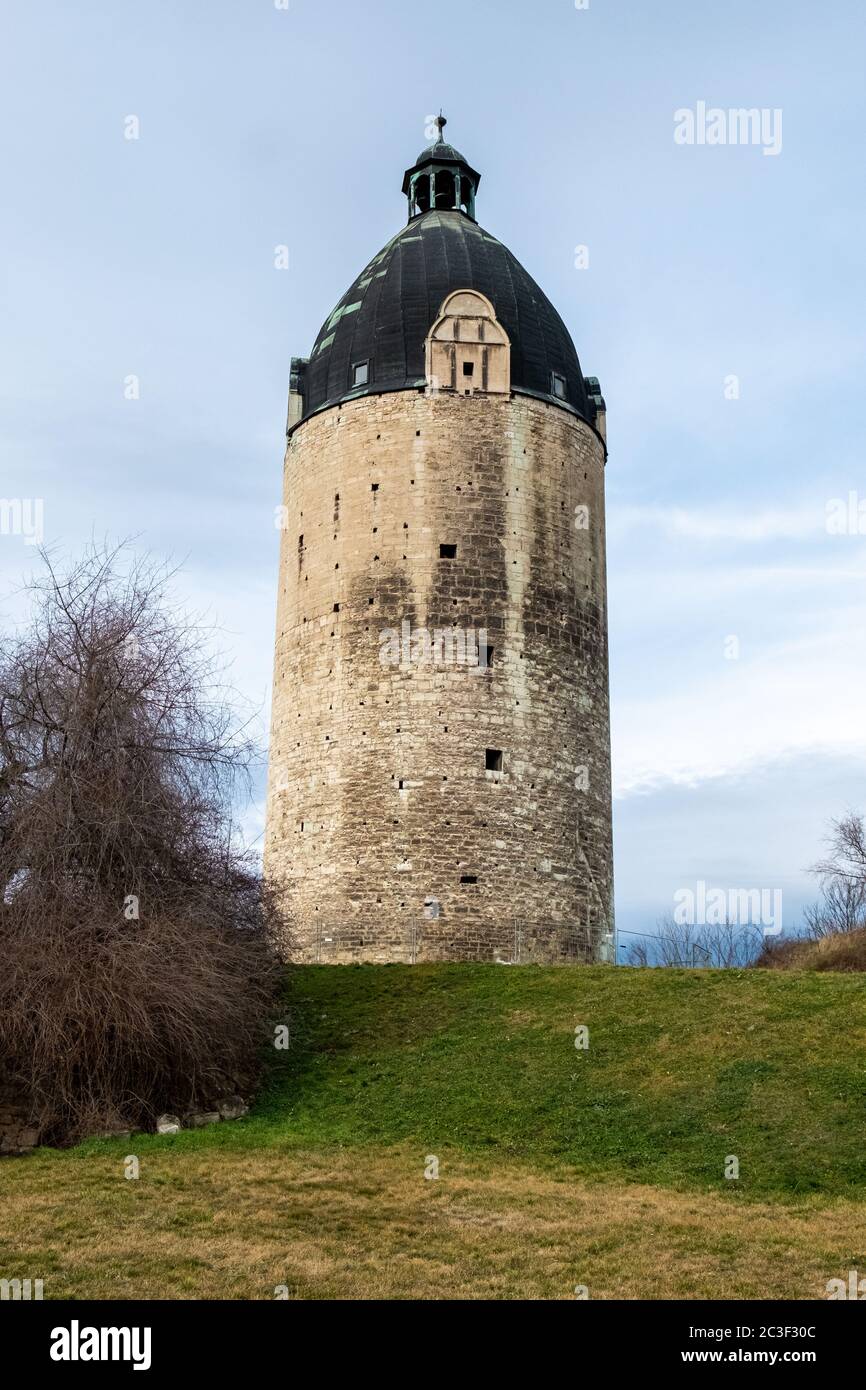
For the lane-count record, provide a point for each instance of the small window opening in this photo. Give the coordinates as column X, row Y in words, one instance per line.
column 421, row 194
column 360, row 373
column 558, row 382
column 447, row 552
column 468, row 878
column 445, row 190
column 468, row 368
column 374, row 487
column 493, row 759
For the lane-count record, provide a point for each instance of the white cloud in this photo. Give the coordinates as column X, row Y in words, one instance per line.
column 747, row 524
column 720, row 717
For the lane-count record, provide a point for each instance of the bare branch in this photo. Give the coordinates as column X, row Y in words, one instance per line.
column 135, row 935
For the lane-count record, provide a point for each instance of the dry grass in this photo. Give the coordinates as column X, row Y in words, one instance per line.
column 366, row 1224
column 839, row 951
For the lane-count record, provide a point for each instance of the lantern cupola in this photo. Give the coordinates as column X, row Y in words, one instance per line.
column 441, row 180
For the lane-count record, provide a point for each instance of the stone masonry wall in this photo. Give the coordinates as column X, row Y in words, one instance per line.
column 388, row 833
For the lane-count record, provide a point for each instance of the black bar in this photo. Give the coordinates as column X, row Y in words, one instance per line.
column 254, row 1340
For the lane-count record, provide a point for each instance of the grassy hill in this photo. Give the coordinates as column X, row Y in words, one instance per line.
column 557, row 1165
column 683, row 1067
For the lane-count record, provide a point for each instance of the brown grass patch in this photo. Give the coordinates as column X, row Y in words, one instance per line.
column 368, row 1225
column 844, row 951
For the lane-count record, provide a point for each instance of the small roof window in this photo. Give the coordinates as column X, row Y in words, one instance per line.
column 558, row 385
column 360, row 373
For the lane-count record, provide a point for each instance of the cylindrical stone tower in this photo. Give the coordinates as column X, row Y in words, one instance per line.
column 440, row 759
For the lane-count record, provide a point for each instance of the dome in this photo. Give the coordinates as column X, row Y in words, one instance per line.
column 374, row 340
column 442, row 153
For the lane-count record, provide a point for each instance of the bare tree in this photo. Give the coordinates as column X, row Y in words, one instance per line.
column 721, row 946
column 842, row 906
column 638, row 954
column 134, row 934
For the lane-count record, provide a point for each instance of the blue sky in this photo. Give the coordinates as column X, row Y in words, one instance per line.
column 262, row 126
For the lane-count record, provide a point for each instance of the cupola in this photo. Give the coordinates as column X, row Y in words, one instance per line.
column 441, row 180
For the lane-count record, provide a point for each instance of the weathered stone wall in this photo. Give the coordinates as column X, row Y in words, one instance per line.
column 18, row 1131
column 388, row 834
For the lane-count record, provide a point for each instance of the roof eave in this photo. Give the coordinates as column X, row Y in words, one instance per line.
column 434, row 159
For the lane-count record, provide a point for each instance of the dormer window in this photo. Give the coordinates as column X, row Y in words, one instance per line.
column 360, row 373
column 558, row 385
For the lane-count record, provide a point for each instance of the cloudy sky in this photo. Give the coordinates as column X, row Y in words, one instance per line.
column 722, row 308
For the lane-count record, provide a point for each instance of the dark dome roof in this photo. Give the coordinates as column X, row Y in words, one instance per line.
column 385, row 317
column 442, row 152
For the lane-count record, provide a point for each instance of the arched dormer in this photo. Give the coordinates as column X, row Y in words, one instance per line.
column 467, row 349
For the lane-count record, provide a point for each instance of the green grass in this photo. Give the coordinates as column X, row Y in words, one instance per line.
column 683, row 1068
column 558, row 1166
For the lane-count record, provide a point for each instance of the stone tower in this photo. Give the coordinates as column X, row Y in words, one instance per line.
column 439, row 781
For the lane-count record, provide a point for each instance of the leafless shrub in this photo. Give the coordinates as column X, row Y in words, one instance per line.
column 638, row 954
column 134, row 935
column 720, row 946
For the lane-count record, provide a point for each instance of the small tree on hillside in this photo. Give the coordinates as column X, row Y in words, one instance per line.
column 137, row 968
column 842, row 906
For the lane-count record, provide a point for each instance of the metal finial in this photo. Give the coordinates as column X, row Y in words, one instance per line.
column 440, row 122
